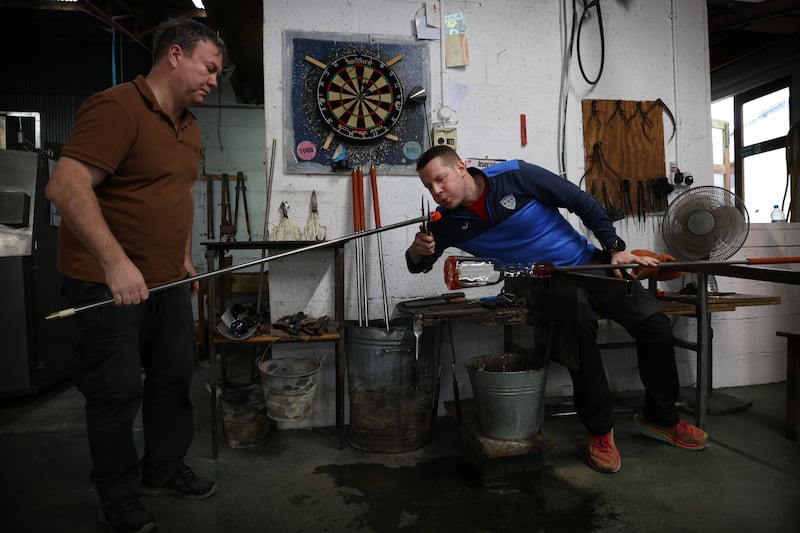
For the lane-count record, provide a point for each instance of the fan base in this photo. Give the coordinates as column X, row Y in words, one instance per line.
column 717, row 403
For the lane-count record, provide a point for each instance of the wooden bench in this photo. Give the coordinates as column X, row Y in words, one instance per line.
column 792, row 382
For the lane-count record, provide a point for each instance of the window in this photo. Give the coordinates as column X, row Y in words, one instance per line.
column 753, row 165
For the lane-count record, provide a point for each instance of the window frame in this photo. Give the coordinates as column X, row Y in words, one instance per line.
column 741, row 152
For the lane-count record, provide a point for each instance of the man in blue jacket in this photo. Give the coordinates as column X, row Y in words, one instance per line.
column 510, row 212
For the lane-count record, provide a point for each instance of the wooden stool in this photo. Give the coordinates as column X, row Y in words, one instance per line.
column 503, row 462
column 792, row 382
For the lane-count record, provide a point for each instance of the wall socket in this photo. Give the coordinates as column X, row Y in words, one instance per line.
column 445, row 137
column 673, row 167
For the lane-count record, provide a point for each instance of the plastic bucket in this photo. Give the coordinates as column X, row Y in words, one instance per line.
column 244, row 417
column 509, row 395
column 387, row 412
column 290, row 384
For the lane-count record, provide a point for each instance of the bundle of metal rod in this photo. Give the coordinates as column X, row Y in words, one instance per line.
column 362, row 297
column 373, row 174
column 255, row 262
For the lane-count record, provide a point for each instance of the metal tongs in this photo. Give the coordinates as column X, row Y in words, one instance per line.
column 314, row 230
column 285, row 230
column 424, row 226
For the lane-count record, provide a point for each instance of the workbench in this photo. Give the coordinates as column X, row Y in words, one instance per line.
column 701, row 307
column 215, row 253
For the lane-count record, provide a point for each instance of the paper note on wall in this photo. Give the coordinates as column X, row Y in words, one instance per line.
column 456, row 49
column 432, row 13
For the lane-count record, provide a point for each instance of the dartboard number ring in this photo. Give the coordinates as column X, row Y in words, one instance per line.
column 359, row 97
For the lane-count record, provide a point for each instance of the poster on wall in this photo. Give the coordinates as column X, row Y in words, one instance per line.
column 350, row 104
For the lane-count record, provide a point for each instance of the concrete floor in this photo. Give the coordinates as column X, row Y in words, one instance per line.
column 748, row 479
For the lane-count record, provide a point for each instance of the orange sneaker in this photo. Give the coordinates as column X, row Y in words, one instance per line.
column 602, row 453
column 682, row 435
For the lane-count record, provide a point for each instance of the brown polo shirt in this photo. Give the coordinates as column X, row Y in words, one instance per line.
column 146, row 198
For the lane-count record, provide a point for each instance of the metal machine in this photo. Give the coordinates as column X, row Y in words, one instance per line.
column 35, row 354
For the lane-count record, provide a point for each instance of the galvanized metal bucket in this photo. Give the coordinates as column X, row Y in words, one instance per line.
column 244, row 417
column 509, row 395
column 387, row 412
column 290, row 384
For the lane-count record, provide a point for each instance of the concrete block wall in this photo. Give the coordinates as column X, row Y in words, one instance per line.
column 652, row 50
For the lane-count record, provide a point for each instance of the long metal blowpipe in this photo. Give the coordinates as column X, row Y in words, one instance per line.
column 464, row 272
column 430, row 217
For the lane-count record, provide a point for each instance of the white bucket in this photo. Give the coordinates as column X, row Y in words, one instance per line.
column 289, row 386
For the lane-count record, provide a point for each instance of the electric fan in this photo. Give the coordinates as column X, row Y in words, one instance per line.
column 705, row 223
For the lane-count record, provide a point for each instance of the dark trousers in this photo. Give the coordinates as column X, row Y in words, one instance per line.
column 640, row 316
column 116, row 344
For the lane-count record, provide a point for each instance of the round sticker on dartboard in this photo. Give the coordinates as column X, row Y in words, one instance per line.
column 306, row 150
column 412, row 150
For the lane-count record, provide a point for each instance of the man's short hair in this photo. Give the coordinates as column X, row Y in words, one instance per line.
column 184, row 32
column 447, row 154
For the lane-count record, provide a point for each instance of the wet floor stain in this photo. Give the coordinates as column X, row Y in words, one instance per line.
column 445, row 494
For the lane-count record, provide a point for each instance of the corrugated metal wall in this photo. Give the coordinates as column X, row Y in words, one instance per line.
column 57, row 113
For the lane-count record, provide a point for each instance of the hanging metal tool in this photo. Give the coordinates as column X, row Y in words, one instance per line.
column 285, row 230
column 314, row 230
column 209, row 205
column 614, row 213
column 430, row 216
column 376, row 208
column 641, row 209
column 227, row 231
column 619, row 110
column 242, row 188
column 627, row 204
column 417, row 327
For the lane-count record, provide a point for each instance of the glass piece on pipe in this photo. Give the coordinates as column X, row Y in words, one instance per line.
column 464, row 272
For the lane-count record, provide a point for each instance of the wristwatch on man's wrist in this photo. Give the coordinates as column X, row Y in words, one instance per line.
column 617, row 245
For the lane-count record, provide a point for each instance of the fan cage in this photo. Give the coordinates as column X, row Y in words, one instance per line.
column 705, row 223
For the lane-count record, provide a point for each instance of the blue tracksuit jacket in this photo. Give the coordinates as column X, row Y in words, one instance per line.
column 524, row 222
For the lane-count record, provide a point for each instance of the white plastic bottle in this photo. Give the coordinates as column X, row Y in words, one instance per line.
column 777, row 215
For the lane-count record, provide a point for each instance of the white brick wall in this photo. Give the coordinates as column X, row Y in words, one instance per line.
column 652, row 51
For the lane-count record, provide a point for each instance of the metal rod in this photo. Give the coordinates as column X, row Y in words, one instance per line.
column 73, row 310
column 357, row 246
column 677, row 265
column 362, row 225
column 373, row 174
column 703, row 347
column 265, row 236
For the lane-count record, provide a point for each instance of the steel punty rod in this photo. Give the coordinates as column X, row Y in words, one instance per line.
column 360, row 267
column 373, row 174
column 427, row 218
column 362, row 225
column 545, row 268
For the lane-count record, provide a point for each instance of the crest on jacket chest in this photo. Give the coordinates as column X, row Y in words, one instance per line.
column 509, row 202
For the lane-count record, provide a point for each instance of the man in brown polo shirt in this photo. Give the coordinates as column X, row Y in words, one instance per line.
column 123, row 186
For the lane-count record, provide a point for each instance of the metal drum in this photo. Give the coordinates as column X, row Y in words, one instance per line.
column 387, row 413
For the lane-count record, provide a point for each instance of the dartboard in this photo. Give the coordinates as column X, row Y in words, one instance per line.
column 359, row 97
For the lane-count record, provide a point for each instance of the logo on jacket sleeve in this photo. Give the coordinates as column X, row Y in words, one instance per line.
column 509, row 202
